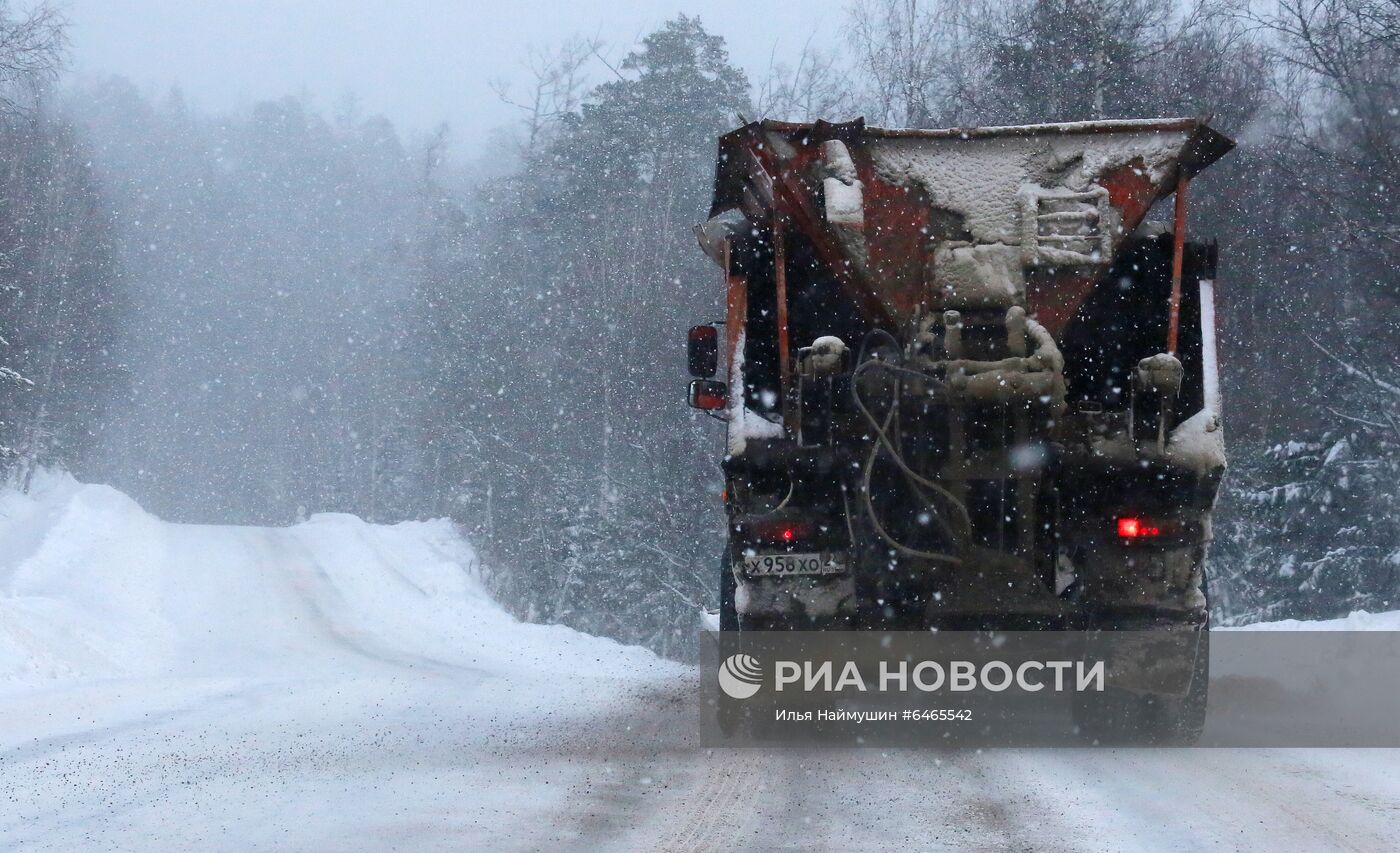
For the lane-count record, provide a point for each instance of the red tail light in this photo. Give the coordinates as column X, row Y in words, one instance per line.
column 1132, row 527
column 783, row 532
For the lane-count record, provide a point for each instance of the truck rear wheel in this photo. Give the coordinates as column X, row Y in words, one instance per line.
column 1178, row 720
column 728, row 614
column 1123, row 717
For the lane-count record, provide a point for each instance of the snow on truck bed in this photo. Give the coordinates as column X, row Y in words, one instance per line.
column 93, row 587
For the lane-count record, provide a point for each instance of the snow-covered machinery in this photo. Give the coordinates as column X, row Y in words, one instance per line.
column 968, row 383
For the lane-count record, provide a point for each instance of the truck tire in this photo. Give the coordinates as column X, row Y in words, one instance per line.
column 1178, row 720
column 730, row 717
column 728, row 615
column 1123, row 717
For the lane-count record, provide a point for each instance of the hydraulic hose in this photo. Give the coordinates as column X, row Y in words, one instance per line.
column 921, row 485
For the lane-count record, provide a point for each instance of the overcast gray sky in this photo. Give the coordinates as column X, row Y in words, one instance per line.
column 419, row 62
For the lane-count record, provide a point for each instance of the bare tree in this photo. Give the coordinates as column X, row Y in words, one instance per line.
column 557, row 85
column 816, row 86
column 31, row 270
column 31, row 52
column 1339, row 82
column 900, row 48
column 1057, row 60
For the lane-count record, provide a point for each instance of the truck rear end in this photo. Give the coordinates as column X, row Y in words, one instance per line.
column 966, row 381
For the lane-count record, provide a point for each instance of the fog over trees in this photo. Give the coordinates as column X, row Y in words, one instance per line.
column 249, row 317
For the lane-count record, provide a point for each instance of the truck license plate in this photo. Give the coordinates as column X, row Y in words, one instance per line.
column 765, row 565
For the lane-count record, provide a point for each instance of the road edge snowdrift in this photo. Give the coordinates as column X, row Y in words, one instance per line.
column 94, row 587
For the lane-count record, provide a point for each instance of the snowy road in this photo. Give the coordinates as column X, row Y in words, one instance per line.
column 413, row 764
column 337, row 685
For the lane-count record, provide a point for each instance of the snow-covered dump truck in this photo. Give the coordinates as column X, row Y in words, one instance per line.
column 968, row 381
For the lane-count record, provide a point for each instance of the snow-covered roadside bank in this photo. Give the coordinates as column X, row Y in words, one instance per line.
column 120, row 613
column 329, row 684
column 1357, row 620
column 93, row 587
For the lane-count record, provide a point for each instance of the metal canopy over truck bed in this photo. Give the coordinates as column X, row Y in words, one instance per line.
column 908, row 221
column 932, row 219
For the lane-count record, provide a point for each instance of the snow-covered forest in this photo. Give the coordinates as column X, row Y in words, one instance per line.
column 248, row 317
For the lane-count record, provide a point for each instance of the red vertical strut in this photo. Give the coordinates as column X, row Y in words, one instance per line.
column 1178, row 250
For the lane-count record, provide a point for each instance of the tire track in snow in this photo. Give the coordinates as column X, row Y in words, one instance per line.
column 712, row 817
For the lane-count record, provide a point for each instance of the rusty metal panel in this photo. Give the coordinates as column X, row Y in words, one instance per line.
column 937, row 209
column 897, row 240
